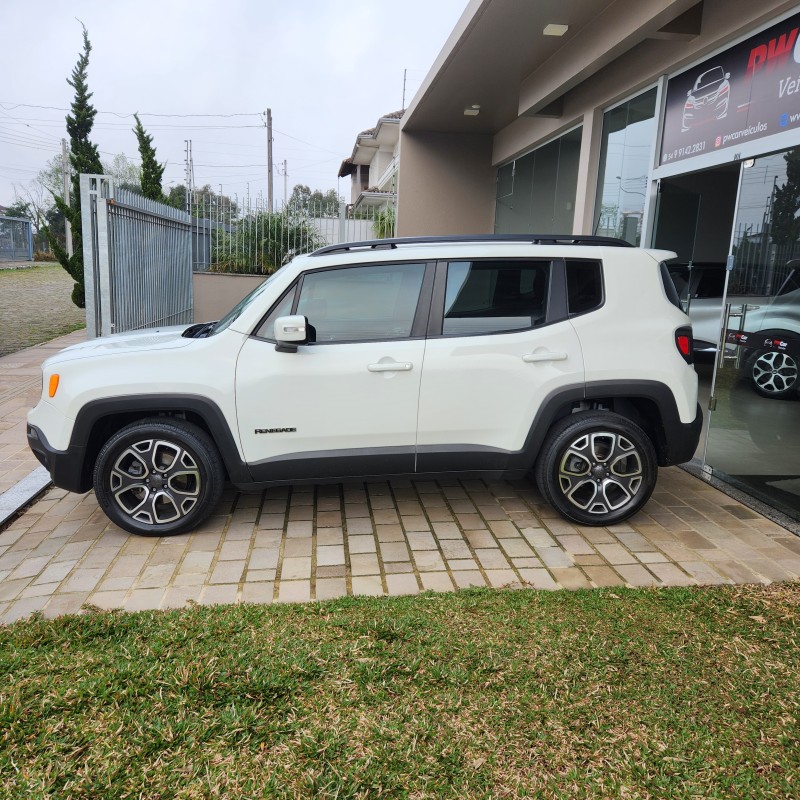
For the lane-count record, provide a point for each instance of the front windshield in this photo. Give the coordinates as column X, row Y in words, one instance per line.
column 237, row 310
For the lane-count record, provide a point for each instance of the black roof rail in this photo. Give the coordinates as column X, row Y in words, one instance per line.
column 527, row 238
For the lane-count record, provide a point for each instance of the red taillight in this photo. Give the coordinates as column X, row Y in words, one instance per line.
column 685, row 344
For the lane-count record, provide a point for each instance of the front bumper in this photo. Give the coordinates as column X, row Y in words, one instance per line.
column 66, row 467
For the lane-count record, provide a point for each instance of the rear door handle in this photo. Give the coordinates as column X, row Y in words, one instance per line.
column 546, row 356
column 392, row 366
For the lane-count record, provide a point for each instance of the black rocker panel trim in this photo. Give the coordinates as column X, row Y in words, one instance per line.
column 328, row 464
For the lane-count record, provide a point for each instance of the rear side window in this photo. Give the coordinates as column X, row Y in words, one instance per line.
column 494, row 296
column 669, row 286
column 584, row 286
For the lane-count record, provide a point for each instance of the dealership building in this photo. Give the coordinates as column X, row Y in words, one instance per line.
column 671, row 124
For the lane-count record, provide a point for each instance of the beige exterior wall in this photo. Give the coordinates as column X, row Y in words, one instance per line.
column 464, row 165
column 446, row 184
column 215, row 294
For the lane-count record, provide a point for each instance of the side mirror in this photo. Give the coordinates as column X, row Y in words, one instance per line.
column 292, row 331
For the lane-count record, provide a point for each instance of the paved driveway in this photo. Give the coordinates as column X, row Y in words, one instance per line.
column 298, row 544
column 302, row 543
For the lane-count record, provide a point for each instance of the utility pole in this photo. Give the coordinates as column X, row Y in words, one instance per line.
column 405, row 72
column 65, row 176
column 187, row 173
column 269, row 160
column 283, row 171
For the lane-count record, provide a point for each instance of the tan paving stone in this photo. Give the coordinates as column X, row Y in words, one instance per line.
column 436, row 581
column 371, row 585
column 330, row 588
column 615, row 554
column 22, row 609
column 258, row 592
column 337, row 571
column 636, row 575
column 703, row 573
column 456, row 549
column 364, row 564
column 394, row 551
column 298, row 548
column 223, row 594
column 294, row 592
column 428, row 561
column 61, row 604
column 480, row 539
column 361, row 544
column 554, row 557
column 390, row 533
column 82, row 580
column 671, row 575
column 155, row 576
column 402, row 584
column 329, row 536
column 295, row 568
column 330, row 555
column 501, row 577
column 107, row 601
column 492, row 558
column 538, row 578
column 421, row 541
column 468, row 578
column 29, row 568
column 301, row 529
column 538, row 537
column 570, row 578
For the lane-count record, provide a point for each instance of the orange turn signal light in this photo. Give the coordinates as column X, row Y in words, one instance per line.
column 53, row 388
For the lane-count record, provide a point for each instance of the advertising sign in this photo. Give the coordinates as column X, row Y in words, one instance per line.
column 747, row 92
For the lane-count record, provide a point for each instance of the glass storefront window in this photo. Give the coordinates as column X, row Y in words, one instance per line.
column 536, row 192
column 754, row 432
column 625, row 161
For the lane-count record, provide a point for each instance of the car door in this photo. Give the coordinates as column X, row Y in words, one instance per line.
column 497, row 350
column 346, row 404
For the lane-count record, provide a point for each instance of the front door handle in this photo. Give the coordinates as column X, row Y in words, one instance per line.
column 545, row 356
column 391, row 366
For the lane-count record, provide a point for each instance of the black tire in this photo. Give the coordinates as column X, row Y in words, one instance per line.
column 774, row 374
column 158, row 477
column 596, row 468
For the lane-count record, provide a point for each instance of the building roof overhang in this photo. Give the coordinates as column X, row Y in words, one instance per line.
column 498, row 58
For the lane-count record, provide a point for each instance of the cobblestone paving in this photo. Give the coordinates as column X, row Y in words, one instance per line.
column 301, row 543
column 35, row 305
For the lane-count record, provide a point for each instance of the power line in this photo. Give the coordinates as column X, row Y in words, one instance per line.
column 12, row 106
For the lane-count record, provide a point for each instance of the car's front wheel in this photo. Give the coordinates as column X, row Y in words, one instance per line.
column 158, row 477
column 596, row 468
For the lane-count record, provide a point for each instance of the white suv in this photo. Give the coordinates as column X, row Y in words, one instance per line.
column 484, row 356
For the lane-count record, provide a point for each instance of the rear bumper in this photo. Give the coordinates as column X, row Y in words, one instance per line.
column 65, row 466
column 682, row 440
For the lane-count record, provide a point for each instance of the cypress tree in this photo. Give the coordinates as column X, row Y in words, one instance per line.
column 84, row 158
column 152, row 171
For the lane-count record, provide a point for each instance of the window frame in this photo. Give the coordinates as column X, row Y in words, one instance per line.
column 599, row 262
column 421, row 312
column 556, row 301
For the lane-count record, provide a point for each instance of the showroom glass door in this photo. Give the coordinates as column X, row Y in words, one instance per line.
column 754, row 425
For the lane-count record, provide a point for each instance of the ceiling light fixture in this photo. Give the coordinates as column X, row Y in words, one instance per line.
column 554, row 29
column 473, row 110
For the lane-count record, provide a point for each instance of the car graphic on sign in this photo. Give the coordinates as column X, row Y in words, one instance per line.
column 708, row 99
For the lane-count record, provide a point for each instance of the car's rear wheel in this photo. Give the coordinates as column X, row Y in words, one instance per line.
column 158, row 477
column 596, row 468
column 774, row 374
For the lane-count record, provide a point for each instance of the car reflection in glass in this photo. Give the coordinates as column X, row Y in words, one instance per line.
column 770, row 359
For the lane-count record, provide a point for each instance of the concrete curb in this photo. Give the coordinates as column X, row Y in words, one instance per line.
column 19, row 495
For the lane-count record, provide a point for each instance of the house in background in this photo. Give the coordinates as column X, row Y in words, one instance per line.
column 374, row 163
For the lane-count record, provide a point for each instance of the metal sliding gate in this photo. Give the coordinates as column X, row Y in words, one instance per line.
column 137, row 260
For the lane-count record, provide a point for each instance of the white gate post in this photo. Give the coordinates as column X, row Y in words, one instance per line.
column 95, row 192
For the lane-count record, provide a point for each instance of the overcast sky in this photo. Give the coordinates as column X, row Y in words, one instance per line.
column 327, row 70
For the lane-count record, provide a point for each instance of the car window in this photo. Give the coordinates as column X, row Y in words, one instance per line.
column 494, row 296
column 362, row 303
column 584, row 286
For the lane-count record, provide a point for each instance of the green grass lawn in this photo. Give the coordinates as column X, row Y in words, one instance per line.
column 673, row 693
